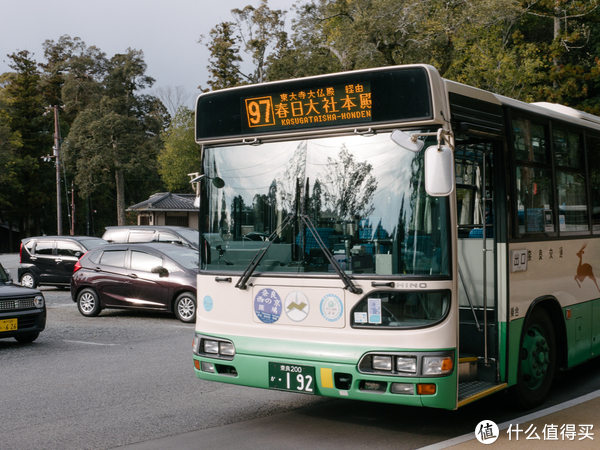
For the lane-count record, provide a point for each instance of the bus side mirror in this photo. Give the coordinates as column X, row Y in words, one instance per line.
column 439, row 171
column 407, row 141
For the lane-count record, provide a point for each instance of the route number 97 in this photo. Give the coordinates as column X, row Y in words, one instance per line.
column 259, row 111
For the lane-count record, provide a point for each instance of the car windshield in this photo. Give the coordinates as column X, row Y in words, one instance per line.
column 190, row 235
column 360, row 200
column 92, row 243
column 184, row 256
column 3, row 275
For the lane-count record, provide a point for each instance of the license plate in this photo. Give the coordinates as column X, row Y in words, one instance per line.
column 8, row 325
column 291, row 377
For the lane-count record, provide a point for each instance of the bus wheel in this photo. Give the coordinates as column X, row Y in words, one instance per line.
column 537, row 360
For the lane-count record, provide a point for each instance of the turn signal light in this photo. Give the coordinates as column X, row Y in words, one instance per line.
column 426, row 389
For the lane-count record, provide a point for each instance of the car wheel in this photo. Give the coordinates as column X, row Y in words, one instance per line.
column 88, row 303
column 537, row 360
column 27, row 338
column 185, row 307
column 28, row 280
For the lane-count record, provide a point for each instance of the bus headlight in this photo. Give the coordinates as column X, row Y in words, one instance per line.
column 382, row 362
column 226, row 348
column 437, row 365
column 211, row 346
column 408, row 365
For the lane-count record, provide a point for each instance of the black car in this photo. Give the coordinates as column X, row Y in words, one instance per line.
column 149, row 233
column 49, row 260
column 22, row 310
column 154, row 276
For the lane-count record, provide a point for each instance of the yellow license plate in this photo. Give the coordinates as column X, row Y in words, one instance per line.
column 8, row 325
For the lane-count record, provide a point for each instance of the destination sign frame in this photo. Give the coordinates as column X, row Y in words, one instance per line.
column 384, row 95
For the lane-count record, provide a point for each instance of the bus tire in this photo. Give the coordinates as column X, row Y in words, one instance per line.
column 537, row 360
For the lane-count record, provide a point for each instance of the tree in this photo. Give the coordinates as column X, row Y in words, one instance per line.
column 172, row 97
column 118, row 132
column 27, row 137
column 224, row 67
column 261, row 28
column 180, row 154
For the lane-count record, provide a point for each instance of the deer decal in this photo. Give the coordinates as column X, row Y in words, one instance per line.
column 584, row 270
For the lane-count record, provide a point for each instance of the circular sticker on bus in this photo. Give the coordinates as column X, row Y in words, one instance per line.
column 297, row 306
column 208, row 303
column 267, row 305
column 331, row 308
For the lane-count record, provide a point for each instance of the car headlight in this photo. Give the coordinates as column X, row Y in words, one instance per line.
column 38, row 301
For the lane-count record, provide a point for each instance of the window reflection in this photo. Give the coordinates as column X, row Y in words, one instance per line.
column 364, row 196
column 534, row 199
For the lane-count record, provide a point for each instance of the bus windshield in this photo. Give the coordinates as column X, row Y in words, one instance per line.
column 361, row 199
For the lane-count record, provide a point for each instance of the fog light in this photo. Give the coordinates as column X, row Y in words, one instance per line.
column 208, row 367
column 382, row 363
column 402, row 388
column 211, row 347
column 437, row 365
column 226, row 348
column 426, row 389
column 408, row 365
column 38, row 301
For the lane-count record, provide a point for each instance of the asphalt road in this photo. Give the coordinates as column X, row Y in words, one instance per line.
column 126, row 379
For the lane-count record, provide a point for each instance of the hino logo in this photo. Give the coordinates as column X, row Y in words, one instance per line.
column 411, row 285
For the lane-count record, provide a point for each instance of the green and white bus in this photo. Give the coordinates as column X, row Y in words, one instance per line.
column 392, row 236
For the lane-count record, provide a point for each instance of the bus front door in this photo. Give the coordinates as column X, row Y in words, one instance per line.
column 477, row 237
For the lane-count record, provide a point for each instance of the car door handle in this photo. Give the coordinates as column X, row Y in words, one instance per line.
column 132, row 275
column 97, row 269
column 58, row 260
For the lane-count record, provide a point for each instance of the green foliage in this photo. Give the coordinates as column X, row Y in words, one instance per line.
column 224, row 68
column 117, row 133
column 180, row 154
column 263, row 27
column 24, row 138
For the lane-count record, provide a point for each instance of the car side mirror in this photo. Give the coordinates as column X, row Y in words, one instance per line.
column 161, row 271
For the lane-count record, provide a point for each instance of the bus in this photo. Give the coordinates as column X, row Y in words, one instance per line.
column 392, row 236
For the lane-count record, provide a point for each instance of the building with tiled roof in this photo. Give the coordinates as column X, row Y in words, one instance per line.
column 166, row 208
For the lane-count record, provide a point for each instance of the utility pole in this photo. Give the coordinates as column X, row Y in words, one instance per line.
column 59, row 230
column 55, row 155
column 72, row 209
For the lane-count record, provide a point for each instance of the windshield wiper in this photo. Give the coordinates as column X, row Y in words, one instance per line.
column 262, row 251
column 348, row 284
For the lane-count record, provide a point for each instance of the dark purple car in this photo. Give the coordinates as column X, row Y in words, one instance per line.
column 156, row 277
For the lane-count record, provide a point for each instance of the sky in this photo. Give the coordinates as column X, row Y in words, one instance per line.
column 166, row 31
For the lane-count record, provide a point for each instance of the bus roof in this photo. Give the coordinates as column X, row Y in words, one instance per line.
column 553, row 110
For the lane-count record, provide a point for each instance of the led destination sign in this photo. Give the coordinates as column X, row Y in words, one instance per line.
column 344, row 100
column 338, row 104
